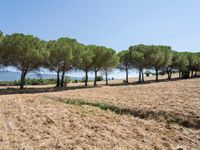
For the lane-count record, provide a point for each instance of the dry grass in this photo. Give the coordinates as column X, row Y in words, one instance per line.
column 179, row 98
column 40, row 122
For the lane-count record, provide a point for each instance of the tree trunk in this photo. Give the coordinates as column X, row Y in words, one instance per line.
column 86, row 77
column 58, row 78
column 126, row 76
column 95, row 77
column 22, row 82
column 188, row 74
column 196, row 73
column 139, row 76
column 63, row 78
column 106, row 77
column 156, row 74
column 142, row 76
column 169, row 73
column 179, row 74
column 192, row 73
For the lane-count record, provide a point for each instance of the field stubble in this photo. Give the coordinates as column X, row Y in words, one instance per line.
column 40, row 122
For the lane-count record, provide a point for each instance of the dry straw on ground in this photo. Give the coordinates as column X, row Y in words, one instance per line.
column 38, row 121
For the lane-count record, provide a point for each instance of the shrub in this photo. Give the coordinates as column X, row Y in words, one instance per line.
column 75, row 81
column 29, row 82
column 99, row 78
column 148, row 73
column 185, row 74
column 67, row 80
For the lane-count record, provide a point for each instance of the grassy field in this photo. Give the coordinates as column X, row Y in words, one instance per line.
column 163, row 115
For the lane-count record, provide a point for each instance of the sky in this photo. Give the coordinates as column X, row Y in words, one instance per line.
column 115, row 24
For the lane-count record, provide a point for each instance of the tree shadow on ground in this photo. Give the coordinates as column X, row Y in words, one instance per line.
column 148, row 82
column 39, row 90
column 30, row 90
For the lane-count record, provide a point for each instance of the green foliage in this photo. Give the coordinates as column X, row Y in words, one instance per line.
column 99, row 78
column 139, row 54
column 64, row 55
column 40, row 81
column 193, row 60
column 104, row 58
column 155, row 57
column 87, row 55
column 99, row 56
column 61, row 53
column 33, row 82
column 180, row 61
column 145, row 56
column 110, row 58
column 125, row 60
column 86, row 63
column 148, row 73
column 100, row 105
column 25, row 52
column 168, row 55
column 170, row 118
column 1, row 36
column 10, row 83
column 75, row 81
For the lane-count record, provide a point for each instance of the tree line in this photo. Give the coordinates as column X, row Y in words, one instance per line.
column 28, row 53
column 161, row 59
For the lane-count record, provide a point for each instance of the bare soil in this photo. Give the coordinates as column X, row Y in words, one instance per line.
column 43, row 121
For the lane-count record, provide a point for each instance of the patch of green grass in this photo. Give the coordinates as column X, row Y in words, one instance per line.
column 143, row 114
column 100, row 105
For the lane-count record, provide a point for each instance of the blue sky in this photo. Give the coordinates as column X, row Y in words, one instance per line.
column 112, row 23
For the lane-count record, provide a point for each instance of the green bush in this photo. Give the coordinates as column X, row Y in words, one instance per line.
column 67, row 80
column 148, row 73
column 75, row 81
column 99, row 78
column 40, row 81
column 185, row 74
column 83, row 79
column 9, row 83
column 30, row 82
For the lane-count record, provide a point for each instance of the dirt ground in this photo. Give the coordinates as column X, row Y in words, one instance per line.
column 43, row 121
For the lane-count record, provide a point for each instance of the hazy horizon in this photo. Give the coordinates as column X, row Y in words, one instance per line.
column 45, row 73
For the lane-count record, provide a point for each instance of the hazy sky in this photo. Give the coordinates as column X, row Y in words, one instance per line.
column 112, row 23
